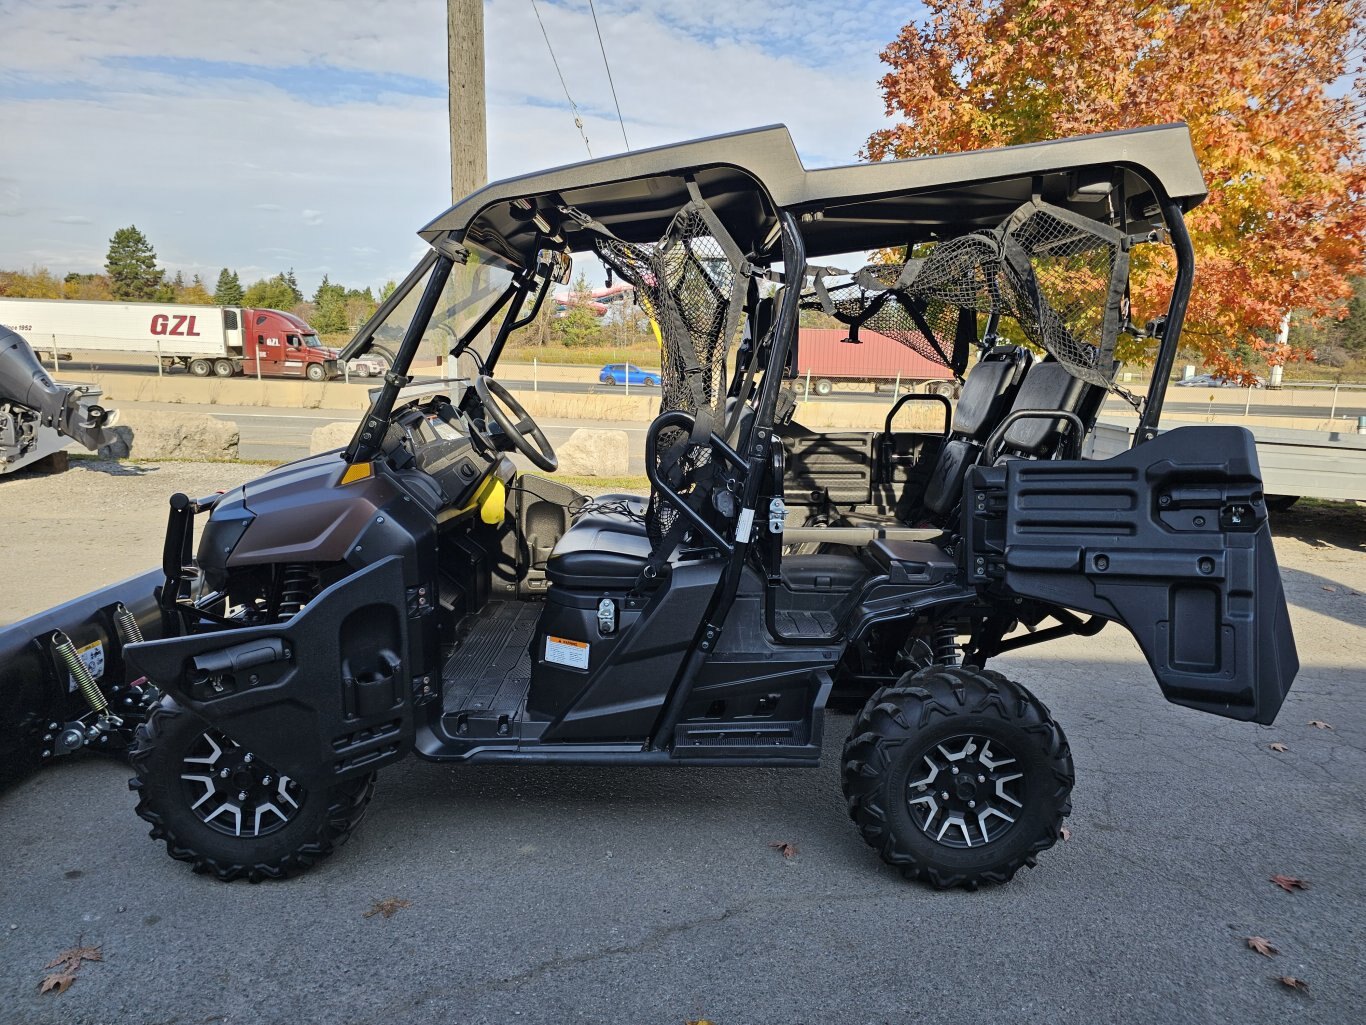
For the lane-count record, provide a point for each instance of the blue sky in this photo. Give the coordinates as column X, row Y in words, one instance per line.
column 268, row 134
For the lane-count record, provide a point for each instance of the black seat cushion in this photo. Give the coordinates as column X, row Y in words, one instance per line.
column 601, row 514
column 596, row 557
column 915, row 562
column 1046, row 386
column 945, row 488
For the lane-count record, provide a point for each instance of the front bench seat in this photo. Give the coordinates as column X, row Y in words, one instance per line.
column 595, row 556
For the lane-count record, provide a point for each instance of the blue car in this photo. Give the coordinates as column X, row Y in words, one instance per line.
column 627, row 374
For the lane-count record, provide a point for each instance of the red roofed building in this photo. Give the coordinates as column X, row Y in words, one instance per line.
column 824, row 354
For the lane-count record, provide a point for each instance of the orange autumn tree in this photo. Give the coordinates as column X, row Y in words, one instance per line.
column 1264, row 86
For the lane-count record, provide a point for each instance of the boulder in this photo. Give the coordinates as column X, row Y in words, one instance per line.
column 326, row 438
column 594, row 453
column 144, row 434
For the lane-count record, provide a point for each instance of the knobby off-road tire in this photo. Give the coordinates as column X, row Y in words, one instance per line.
column 899, row 764
column 322, row 822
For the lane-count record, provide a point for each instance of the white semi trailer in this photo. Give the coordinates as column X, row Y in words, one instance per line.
column 205, row 340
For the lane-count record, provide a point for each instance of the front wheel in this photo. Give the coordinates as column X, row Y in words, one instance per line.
column 650, row 382
column 315, row 372
column 957, row 776
column 228, row 813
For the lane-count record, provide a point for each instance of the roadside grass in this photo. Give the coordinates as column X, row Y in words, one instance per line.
column 644, row 355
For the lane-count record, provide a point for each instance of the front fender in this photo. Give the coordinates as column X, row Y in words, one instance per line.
column 323, row 697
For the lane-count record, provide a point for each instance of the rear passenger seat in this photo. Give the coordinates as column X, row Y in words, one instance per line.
column 989, row 392
column 1047, row 387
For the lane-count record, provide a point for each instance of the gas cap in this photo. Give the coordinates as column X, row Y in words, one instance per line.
column 607, row 616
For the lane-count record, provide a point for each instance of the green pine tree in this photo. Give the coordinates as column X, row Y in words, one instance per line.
column 229, row 289
column 289, row 279
column 132, row 265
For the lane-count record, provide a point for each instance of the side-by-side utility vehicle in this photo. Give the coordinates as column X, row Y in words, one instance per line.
column 414, row 593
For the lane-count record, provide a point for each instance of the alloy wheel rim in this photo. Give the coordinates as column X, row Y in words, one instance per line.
column 233, row 792
column 969, row 793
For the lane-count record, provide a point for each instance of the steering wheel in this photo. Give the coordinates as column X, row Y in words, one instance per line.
column 516, row 423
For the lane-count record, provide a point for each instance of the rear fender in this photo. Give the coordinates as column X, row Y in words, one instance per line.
column 1170, row 539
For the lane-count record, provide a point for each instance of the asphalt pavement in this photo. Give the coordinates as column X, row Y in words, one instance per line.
column 644, row 896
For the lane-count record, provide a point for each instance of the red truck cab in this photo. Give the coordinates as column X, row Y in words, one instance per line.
column 285, row 346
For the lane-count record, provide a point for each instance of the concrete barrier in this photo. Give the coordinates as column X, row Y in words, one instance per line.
column 330, row 436
column 146, row 434
column 1226, row 404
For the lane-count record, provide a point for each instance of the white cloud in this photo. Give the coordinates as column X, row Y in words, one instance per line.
column 236, row 152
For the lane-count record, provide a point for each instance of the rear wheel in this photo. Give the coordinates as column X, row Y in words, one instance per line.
column 224, row 368
column 822, row 387
column 957, row 776
column 609, row 380
column 201, row 367
column 228, row 813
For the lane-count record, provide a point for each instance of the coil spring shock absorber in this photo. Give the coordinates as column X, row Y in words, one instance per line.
column 298, row 584
column 946, row 645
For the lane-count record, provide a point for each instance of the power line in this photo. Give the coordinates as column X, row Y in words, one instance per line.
column 608, row 66
column 578, row 121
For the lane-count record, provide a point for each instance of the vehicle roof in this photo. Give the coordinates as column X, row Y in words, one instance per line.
column 743, row 175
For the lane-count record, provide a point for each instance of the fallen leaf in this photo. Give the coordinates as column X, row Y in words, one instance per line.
column 57, row 982
column 1319, row 724
column 1289, row 883
column 70, row 960
column 1278, row 746
column 1262, row 945
column 1290, row 982
column 698, row 1021
column 787, row 848
column 388, row 907
column 1065, row 833
column 1326, row 588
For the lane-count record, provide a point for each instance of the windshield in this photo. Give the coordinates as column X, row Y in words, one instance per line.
column 312, row 342
column 472, row 288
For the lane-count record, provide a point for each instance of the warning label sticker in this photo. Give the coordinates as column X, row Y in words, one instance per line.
column 93, row 657
column 566, row 652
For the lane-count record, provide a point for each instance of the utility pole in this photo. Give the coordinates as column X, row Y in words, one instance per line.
column 465, row 71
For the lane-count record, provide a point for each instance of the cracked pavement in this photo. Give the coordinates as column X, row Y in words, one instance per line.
column 643, row 896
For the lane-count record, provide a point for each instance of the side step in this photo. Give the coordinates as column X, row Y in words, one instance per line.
column 798, row 741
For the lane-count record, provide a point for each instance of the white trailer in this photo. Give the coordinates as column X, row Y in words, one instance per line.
column 218, row 340
column 160, row 329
